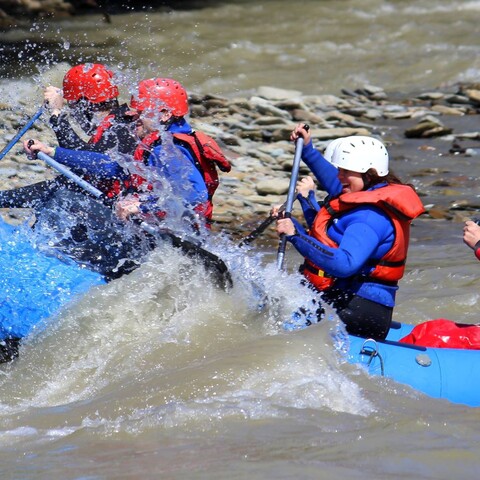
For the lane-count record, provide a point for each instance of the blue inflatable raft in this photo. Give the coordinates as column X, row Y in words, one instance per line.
column 449, row 373
column 33, row 284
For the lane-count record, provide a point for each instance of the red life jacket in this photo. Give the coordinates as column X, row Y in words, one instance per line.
column 207, row 157
column 399, row 202
column 105, row 124
column 111, row 188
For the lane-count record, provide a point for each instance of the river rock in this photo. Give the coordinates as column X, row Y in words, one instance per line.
column 473, row 96
column 272, row 93
column 428, row 127
column 278, row 186
column 331, row 133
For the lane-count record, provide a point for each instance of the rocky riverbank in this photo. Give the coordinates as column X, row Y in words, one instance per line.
column 426, row 134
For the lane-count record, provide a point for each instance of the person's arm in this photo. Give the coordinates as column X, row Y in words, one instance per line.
column 66, row 135
column 324, row 171
column 309, row 206
column 471, row 236
column 92, row 163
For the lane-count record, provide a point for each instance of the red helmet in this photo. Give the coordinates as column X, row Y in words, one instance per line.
column 161, row 93
column 91, row 81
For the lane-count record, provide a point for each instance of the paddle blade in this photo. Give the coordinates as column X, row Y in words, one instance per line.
column 221, row 276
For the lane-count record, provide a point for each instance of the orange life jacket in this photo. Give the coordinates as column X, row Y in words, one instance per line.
column 399, row 202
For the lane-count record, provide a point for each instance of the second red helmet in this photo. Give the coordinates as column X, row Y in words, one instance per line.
column 91, row 81
column 161, row 93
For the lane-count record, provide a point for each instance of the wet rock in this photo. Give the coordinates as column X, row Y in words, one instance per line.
column 439, row 212
column 266, row 108
column 444, row 110
column 306, row 116
column 427, row 128
column 8, row 172
column 431, row 96
column 327, row 133
column 460, row 99
column 465, row 205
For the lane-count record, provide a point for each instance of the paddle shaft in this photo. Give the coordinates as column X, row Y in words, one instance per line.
column 261, row 228
column 20, row 134
column 70, row 175
column 290, row 199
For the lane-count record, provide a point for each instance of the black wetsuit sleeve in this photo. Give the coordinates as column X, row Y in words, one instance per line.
column 66, row 135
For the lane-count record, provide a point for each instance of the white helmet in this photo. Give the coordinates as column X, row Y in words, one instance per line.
column 327, row 154
column 358, row 154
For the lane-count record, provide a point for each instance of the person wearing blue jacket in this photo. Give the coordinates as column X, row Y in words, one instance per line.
column 162, row 104
column 166, row 161
column 356, row 245
column 164, row 176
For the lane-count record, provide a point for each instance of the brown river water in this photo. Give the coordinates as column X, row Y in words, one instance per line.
column 158, row 376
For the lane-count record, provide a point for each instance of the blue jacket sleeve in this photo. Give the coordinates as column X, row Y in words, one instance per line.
column 324, row 171
column 91, row 163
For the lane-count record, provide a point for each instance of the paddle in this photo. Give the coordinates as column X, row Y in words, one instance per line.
column 20, row 134
column 70, row 175
column 261, row 228
column 290, row 197
column 212, row 262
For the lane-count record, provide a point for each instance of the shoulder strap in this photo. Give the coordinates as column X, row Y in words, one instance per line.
column 209, row 149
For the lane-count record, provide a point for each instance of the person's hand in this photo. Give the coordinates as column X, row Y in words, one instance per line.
column 32, row 147
column 53, row 98
column 301, row 130
column 286, row 226
column 305, row 185
column 127, row 207
column 471, row 233
column 277, row 211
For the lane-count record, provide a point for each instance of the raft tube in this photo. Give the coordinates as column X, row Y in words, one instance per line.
column 447, row 373
column 34, row 285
